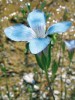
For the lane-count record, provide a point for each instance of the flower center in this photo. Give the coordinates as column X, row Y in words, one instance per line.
column 40, row 31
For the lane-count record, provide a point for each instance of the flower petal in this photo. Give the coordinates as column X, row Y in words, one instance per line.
column 19, row 32
column 36, row 45
column 70, row 44
column 37, row 22
column 59, row 27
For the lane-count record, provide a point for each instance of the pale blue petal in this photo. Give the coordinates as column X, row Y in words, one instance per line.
column 36, row 45
column 37, row 22
column 70, row 44
column 59, row 27
column 19, row 32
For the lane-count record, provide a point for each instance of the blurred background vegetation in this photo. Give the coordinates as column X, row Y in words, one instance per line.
column 14, row 61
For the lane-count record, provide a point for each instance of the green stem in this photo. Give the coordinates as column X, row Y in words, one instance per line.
column 61, row 79
column 61, row 85
column 67, row 70
column 65, row 90
column 49, row 83
column 31, row 96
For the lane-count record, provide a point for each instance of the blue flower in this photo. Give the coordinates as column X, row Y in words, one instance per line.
column 36, row 34
column 70, row 44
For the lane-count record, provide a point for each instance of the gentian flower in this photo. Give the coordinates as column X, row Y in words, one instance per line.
column 70, row 44
column 36, row 34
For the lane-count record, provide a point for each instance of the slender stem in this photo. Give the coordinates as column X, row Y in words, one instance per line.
column 61, row 65
column 61, row 77
column 61, row 85
column 61, row 73
column 30, row 96
column 65, row 90
column 67, row 70
column 49, row 83
column 45, row 68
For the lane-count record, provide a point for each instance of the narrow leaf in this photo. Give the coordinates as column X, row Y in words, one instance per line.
column 39, row 61
column 26, row 48
column 44, row 60
column 49, row 56
column 29, row 7
column 65, row 15
column 3, row 69
column 70, row 54
column 23, row 11
column 63, row 46
column 54, row 67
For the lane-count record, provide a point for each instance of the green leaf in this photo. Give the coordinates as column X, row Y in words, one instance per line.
column 63, row 46
column 49, row 56
column 8, row 93
column 70, row 55
column 29, row 7
column 39, row 61
column 3, row 69
column 44, row 60
column 26, row 48
column 23, row 11
column 54, row 67
column 65, row 15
